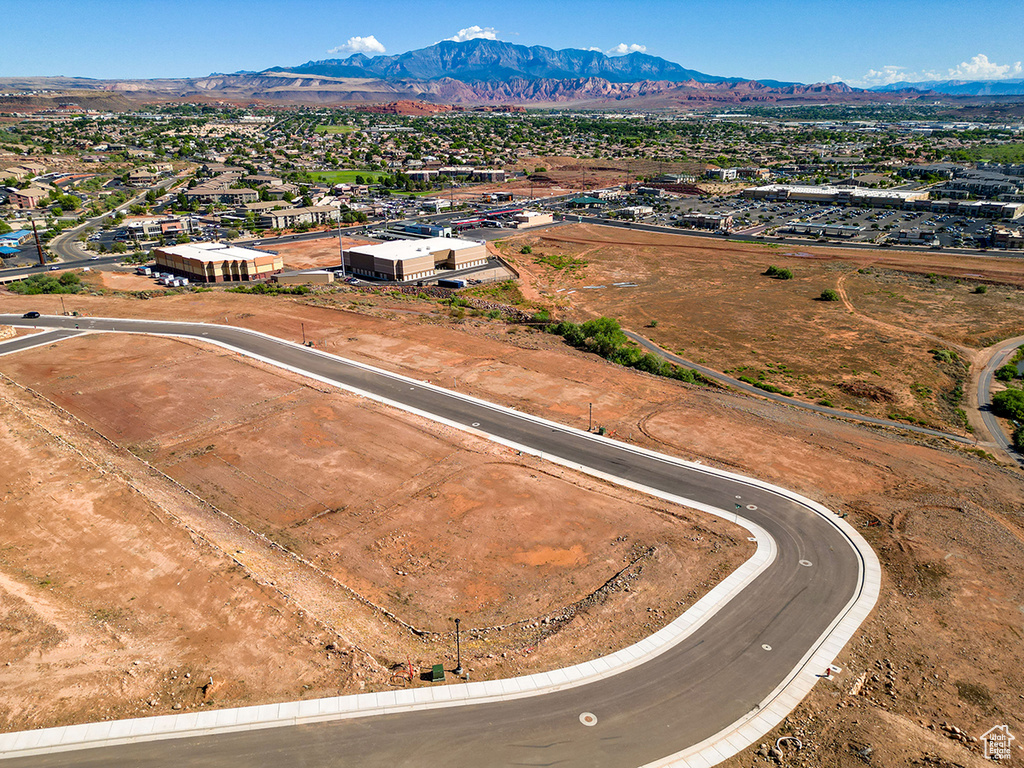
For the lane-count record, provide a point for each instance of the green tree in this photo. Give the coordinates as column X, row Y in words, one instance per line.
column 830, row 294
column 1009, row 403
column 1007, row 372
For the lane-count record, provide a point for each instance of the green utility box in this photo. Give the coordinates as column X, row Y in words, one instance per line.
column 437, row 673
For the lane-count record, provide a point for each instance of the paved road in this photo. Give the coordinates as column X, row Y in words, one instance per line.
column 21, row 343
column 742, row 385
column 716, row 676
column 995, row 429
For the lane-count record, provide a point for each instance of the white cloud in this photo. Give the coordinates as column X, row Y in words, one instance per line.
column 622, row 49
column 368, row 44
column 475, row 32
column 978, row 68
column 593, row 48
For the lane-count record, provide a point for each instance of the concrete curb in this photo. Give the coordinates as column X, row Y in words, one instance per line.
column 726, row 743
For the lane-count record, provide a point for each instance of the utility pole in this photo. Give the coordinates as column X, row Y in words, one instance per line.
column 303, row 333
column 458, row 650
column 341, row 250
column 39, row 247
column 590, row 426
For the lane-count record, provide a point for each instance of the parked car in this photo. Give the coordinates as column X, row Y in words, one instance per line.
column 31, row 315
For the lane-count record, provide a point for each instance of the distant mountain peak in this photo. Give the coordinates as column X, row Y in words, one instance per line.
column 483, row 60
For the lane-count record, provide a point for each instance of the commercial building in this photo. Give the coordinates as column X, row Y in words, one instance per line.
column 217, row 262
column 822, row 230
column 876, row 198
column 493, row 175
column 526, row 219
column 453, row 171
column 15, row 238
column 311, row 277
column 218, row 194
column 435, row 204
column 722, row 174
column 1004, row 237
column 286, row 218
column 421, row 175
column 707, row 220
column 142, row 178
column 27, row 198
column 414, row 259
column 152, row 227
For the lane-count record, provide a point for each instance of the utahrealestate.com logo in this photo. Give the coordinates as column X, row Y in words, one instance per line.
column 997, row 742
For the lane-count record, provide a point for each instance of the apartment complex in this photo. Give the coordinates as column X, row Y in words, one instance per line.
column 286, row 218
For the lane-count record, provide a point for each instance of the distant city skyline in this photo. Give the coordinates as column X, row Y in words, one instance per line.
column 866, row 43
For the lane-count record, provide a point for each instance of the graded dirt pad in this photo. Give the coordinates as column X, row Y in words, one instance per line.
column 311, row 254
column 122, row 281
column 707, row 300
column 109, row 610
column 385, row 523
column 942, row 645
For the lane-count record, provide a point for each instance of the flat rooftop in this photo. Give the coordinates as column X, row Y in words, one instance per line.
column 402, row 250
column 213, row 252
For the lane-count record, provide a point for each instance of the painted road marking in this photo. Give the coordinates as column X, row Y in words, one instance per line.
column 806, row 563
column 766, row 647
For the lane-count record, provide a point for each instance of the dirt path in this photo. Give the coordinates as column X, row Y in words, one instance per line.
column 898, row 330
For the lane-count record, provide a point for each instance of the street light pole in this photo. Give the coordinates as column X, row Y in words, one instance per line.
column 303, row 333
column 590, row 426
column 458, row 650
column 341, row 249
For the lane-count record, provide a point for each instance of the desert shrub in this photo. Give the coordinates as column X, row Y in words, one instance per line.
column 526, row 249
column 830, row 294
column 271, row 289
column 604, row 336
column 779, row 273
column 981, row 289
column 68, row 282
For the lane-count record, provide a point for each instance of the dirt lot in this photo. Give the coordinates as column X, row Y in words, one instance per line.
column 563, row 175
column 707, row 300
column 942, row 645
column 389, row 527
column 311, row 254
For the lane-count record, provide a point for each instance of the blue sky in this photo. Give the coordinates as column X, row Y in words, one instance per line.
column 862, row 43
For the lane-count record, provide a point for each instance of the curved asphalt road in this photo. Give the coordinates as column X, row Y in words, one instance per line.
column 1002, row 352
column 716, row 676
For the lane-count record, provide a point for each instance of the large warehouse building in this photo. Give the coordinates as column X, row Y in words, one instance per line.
column 217, row 262
column 414, row 259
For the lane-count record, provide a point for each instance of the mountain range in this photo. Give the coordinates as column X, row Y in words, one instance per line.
column 496, row 61
column 488, row 72
column 960, row 87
